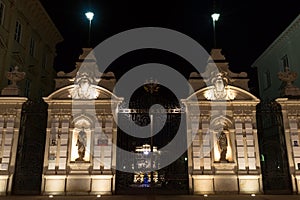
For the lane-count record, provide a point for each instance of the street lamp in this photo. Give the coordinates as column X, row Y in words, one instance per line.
column 90, row 16
column 215, row 18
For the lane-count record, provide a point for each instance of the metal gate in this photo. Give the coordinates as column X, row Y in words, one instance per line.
column 274, row 162
column 148, row 177
column 30, row 152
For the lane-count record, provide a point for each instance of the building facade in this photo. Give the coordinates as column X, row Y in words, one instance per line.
column 278, row 68
column 223, row 157
column 27, row 40
column 282, row 55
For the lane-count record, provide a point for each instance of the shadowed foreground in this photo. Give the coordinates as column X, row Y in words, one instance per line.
column 161, row 197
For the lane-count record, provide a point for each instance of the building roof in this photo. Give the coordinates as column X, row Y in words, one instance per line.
column 283, row 36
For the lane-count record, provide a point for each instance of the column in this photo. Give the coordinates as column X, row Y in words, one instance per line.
column 206, row 144
column 195, row 143
column 295, row 141
column 7, row 138
column 63, row 137
column 240, row 144
column 52, row 151
column 250, row 145
column 97, row 143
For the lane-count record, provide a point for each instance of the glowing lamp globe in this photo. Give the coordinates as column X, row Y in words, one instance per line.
column 215, row 16
column 89, row 15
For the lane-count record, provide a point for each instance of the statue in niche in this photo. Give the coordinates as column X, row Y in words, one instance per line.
column 222, row 144
column 81, row 144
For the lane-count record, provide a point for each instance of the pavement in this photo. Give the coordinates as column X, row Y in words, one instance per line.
column 159, row 197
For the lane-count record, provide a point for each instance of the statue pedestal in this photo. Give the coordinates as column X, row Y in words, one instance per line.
column 291, row 91
column 10, row 91
column 224, row 168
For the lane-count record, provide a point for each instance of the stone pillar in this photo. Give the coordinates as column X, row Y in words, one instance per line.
column 251, row 151
column 10, row 116
column 291, row 120
column 240, row 144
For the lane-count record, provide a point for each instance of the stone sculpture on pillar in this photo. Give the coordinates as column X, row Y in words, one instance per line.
column 14, row 76
column 288, row 77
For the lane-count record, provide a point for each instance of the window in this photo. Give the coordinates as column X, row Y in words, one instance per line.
column 44, row 62
column 27, row 87
column 31, row 47
column 285, row 62
column 267, row 79
column 18, row 32
column 2, row 10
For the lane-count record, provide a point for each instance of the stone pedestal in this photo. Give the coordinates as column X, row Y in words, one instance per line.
column 291, row 91
column 10, row 91
column 78, row 184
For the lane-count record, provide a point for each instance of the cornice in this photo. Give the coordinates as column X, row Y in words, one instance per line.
column 40, row 20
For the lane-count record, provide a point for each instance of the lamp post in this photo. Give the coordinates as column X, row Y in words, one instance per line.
column 215, row 18
column 90, row 16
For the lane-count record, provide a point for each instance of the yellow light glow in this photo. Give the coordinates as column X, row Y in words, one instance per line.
column 74, row 152
column 217, row 151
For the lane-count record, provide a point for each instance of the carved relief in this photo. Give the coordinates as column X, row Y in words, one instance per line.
column 220, row 91
column 85, row 84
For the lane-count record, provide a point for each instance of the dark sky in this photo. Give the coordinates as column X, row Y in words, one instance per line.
column 245, row 28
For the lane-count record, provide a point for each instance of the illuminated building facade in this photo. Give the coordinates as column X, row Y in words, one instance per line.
column 220, row 160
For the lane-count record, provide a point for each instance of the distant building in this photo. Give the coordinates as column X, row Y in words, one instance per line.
column 281, row 55
column 27, row 39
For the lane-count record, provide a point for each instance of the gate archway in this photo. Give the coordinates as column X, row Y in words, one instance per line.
column 147, row 178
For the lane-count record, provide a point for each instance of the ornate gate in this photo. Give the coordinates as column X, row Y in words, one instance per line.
column 30, row 150
column 147, row 178
column 274, row 163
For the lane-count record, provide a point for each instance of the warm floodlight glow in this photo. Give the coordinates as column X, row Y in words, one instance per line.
column 89, row 15
column 215, row 16
column 205, row 195
column 99, row 195
column 252, row 195
column 51, row 196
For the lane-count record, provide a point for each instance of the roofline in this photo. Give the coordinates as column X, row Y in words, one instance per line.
column 281, row 37
column 58, row 34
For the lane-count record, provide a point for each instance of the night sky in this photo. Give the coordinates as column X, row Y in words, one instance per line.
column 245, row 28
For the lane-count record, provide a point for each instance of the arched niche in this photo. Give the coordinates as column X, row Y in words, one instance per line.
column 81, row 139
column 222, row 139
